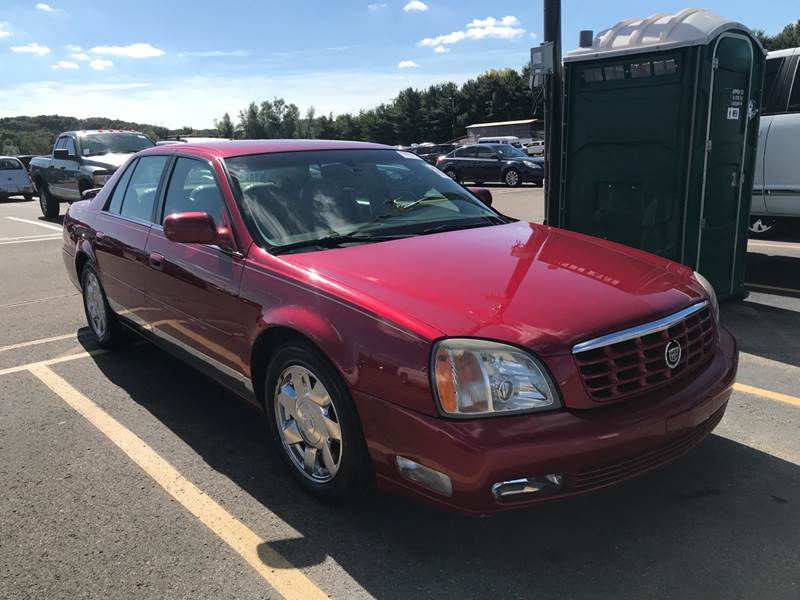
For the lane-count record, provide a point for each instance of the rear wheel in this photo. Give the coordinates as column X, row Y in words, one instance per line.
column 47, row 203
column 314, row 425
column 28, row 197
column 102, row 321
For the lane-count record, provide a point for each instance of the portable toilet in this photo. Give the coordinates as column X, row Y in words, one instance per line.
column 660, row 132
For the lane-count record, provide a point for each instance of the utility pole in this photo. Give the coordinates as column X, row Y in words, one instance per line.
column 553, row 115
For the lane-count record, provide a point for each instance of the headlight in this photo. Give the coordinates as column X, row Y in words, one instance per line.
column 531, row 165
column 712, row 296
column 100, row 179
column 477, row 378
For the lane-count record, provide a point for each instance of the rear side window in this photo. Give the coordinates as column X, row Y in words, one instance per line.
column 466, row 152
column 193, row 188
column 140, row 195
column 794, row 98
column 485, row 151
column 10, row 164
column 771, row 87
column 119, row 192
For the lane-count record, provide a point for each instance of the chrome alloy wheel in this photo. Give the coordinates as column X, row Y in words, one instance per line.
column 95, row 304
column 308, row 424
column 512, row 178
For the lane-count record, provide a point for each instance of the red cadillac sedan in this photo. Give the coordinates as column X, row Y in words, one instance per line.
column 395, row 328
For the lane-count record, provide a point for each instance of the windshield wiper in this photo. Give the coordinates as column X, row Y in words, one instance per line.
column 333, row 241
column 459, row 226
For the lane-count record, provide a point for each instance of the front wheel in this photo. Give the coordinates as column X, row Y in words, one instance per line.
column 512, row 178
column 762, row 226
column 48, row 205
column 314, row 424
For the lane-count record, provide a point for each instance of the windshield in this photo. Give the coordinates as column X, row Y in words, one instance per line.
column 113, row 143
column 297, row 197
column 507, row 151
column 10, row 164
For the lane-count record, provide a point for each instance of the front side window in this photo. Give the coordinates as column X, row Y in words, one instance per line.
column 193, row 188
column 96, row 144
column 771, row 93
column 299, row 197
column 61, row 143
column 140, row 195
column 70, row 146
column 115, row 204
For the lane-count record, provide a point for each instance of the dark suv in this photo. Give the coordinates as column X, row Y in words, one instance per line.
column 492, row 162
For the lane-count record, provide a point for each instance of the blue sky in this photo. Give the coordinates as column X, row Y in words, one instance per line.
column 185, row 62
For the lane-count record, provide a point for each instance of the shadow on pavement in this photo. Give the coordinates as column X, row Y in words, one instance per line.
column 721, row 522
column 768, row 331
column 775, row 274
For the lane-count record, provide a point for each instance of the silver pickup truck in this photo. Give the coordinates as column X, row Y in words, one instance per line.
column 81, row 160
column 776, row 184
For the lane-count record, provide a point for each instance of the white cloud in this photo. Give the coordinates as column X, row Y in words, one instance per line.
column 441, row 49
column 32, row 49
column 130, row 51
column 4, row 32
column 64, row 64
column 79, row 56
column 44, row 7
column 101, row 64
column 415, row 5
column 506, row 28
column 407, row 64
column 214, row 53
column 376, row 6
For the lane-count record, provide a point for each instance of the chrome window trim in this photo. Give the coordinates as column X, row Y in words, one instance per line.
column 639, row 330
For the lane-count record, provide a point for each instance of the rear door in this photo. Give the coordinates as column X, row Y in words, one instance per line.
column 724, row 161
column 121, row 232
column 782, row 152
column 488, row 164
column 192, row 289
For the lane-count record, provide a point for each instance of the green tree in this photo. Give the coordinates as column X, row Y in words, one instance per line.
column 225, row 126
column 788, row 38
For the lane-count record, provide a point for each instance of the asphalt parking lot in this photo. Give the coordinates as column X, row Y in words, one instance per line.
column 127, row 474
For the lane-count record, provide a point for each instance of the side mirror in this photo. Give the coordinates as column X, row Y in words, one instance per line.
column 89, row 194
column 482, row 194
column 60, row 154
column 190, row 228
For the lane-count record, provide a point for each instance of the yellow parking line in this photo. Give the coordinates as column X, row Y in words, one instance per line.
column 41, row 239
column 774, row 245
column 777, row 396
column 56, row 338
column 51, row 361
column 280, row 573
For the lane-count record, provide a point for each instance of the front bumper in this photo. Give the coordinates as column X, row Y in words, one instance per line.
column 591, row 448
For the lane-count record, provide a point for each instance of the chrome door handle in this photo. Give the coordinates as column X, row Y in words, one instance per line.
column 156, row 260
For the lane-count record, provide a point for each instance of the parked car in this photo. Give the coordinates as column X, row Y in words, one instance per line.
column 14, row 179
column 431, row 152
column 535, row 148
column 511, row 140
column 394, row 328
column 492, row 162
column 81, row 160
column 776, row 185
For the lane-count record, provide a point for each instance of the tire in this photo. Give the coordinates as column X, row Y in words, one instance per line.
column 451, row 173
column 50, row 206
column 306, row 396
column 512, row 178
column 97, row 310
column 28, row 197
column 762, row 227
column 478, row 183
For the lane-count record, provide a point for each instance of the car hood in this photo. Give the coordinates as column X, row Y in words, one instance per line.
column 108, row 161
column 526, row 284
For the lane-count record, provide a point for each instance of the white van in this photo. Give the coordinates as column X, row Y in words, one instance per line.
column 535, row 148
column 776, row 181
column 511, row 140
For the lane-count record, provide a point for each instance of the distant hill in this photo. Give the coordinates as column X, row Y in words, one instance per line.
column 35, row 135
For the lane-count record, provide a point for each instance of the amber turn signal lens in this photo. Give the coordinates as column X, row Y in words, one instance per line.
column 445, row 381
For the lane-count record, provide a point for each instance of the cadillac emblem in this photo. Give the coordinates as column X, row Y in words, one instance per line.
column 672, row 354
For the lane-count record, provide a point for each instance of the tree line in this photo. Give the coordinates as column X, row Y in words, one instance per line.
column 437, row 114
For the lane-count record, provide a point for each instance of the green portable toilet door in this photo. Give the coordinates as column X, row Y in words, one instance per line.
column 724, row 161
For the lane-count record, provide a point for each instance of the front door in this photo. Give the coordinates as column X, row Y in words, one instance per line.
column 192, row 289
column 488, row 164
column 724, row 174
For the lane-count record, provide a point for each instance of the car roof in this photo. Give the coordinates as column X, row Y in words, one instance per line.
column 12, row 158
column 229, row 148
